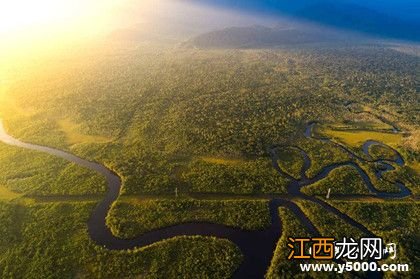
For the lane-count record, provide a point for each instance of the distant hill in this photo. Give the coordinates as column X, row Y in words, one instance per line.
column 261, row 36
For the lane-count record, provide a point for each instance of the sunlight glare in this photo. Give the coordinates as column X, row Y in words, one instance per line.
column 22, row 17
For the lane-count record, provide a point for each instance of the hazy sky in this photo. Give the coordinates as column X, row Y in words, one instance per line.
column 87, row 17
column 50, row 22
column 404, row 9
column 47, row 22
column 398, row 19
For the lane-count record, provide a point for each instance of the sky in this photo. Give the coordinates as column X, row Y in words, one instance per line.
column 396, row 19
column 26, row 23
column 47, row 23
column 404, row 9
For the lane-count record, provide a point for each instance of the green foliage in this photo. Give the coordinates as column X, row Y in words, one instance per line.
column 7, row 195
column 128, row 219
column 342, row 180
column 397, row 222
column 246, row 178
column 11, row 219
column 51, row 241
column 149, row 113
column 384, row 217
column 329, row 225
column 35, row 173
column 408, row 176
column 382, row 152
column 179, row 257
column 281, row 267
column 290, row 161
column 321, row 154
column 382, row 185
column 158, row 104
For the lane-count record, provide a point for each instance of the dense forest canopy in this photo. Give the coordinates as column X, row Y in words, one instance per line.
column 249, row 90
column 199, row 123
column 147, row 111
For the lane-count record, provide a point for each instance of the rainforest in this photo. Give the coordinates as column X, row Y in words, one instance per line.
column 199, row 155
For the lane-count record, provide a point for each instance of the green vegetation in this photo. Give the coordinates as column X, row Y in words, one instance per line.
column 408, row 176
column 221, row 160
column 280, row 266
column 244, row 178
column 73, row 136
column 329, row 225
column 51, row 241
column 161, row 105
column 382, row 152
column 10, row 231
column 290, row 161
column 6, row 194
column 357, row 138
column 396, row 222
column 36, row 174
column 128, row 219
column 381, row 185
column 342, row 180
column 201, row 122
column 322, row 154
column 364, row 120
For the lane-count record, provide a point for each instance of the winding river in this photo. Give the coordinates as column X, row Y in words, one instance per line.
column 256, row 246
